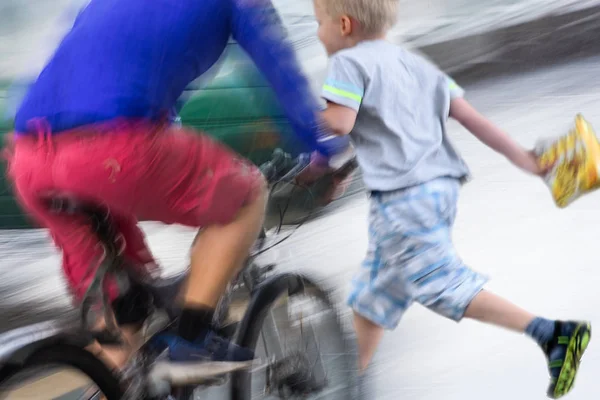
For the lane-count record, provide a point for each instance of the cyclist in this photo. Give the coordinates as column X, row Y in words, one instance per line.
column 95, row 125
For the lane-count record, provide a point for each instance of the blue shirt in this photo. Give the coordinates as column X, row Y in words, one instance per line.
column 134, row 58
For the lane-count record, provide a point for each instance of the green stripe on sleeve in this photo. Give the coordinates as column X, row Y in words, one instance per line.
column 343, row 93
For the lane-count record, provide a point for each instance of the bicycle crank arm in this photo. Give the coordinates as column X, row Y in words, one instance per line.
column 164, row 375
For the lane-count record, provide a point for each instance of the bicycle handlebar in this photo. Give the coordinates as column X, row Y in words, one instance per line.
column 282, row 167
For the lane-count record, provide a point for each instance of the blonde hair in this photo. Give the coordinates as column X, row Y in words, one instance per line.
column 374, row 16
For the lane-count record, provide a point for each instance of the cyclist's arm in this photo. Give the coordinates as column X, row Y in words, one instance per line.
column 256, row 26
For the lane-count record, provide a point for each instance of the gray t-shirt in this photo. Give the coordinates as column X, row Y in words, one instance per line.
column 403, row 102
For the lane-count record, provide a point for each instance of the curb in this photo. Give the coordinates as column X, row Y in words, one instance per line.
column 541, row 41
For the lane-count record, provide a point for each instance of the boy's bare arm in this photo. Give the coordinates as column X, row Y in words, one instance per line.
column 492, row 136
column 339, row 119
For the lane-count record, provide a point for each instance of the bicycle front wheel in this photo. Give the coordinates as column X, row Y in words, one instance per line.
column 305, row 349
column 60, row 372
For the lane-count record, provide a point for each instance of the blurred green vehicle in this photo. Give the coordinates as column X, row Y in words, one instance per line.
column 238, row 108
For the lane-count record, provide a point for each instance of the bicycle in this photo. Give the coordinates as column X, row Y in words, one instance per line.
column 34, row 351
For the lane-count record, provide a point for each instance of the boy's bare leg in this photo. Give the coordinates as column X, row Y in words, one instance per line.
column 368, row 336
column 485, row 307
column 562, row 342
column 492, row 309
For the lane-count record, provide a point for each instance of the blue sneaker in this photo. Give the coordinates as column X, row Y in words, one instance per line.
column 564, row 353
column 209, row 347
column 205, row 361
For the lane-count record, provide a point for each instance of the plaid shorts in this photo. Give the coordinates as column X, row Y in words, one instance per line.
column 411, row 256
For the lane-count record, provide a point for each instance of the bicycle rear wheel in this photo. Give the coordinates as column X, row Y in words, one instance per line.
column 60, row 372
column 306, row 350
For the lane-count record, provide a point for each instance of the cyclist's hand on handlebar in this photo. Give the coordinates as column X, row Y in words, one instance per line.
column 307, row 167
column 316, row 168
column 331, row 145
column 320, row 165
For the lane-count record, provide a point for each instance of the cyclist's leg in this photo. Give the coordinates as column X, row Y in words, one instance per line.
column 204, row 184
column 222, row 245
column 137, row 251
column 79, row 248
column 31, row 172
column 171, row 175
column 131, row 308
column 31, row 176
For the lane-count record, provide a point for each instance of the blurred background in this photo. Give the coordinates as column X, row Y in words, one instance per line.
column 529, row 65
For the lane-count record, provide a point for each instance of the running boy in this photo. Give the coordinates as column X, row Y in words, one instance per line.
column 394, row 105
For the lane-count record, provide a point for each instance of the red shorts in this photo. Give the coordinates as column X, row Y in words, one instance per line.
column 139, row 171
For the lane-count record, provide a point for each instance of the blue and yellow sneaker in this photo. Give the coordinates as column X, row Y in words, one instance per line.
column 564, row 354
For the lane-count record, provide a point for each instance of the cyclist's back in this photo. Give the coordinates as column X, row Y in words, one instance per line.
column 94, row 125
column 113, row 65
